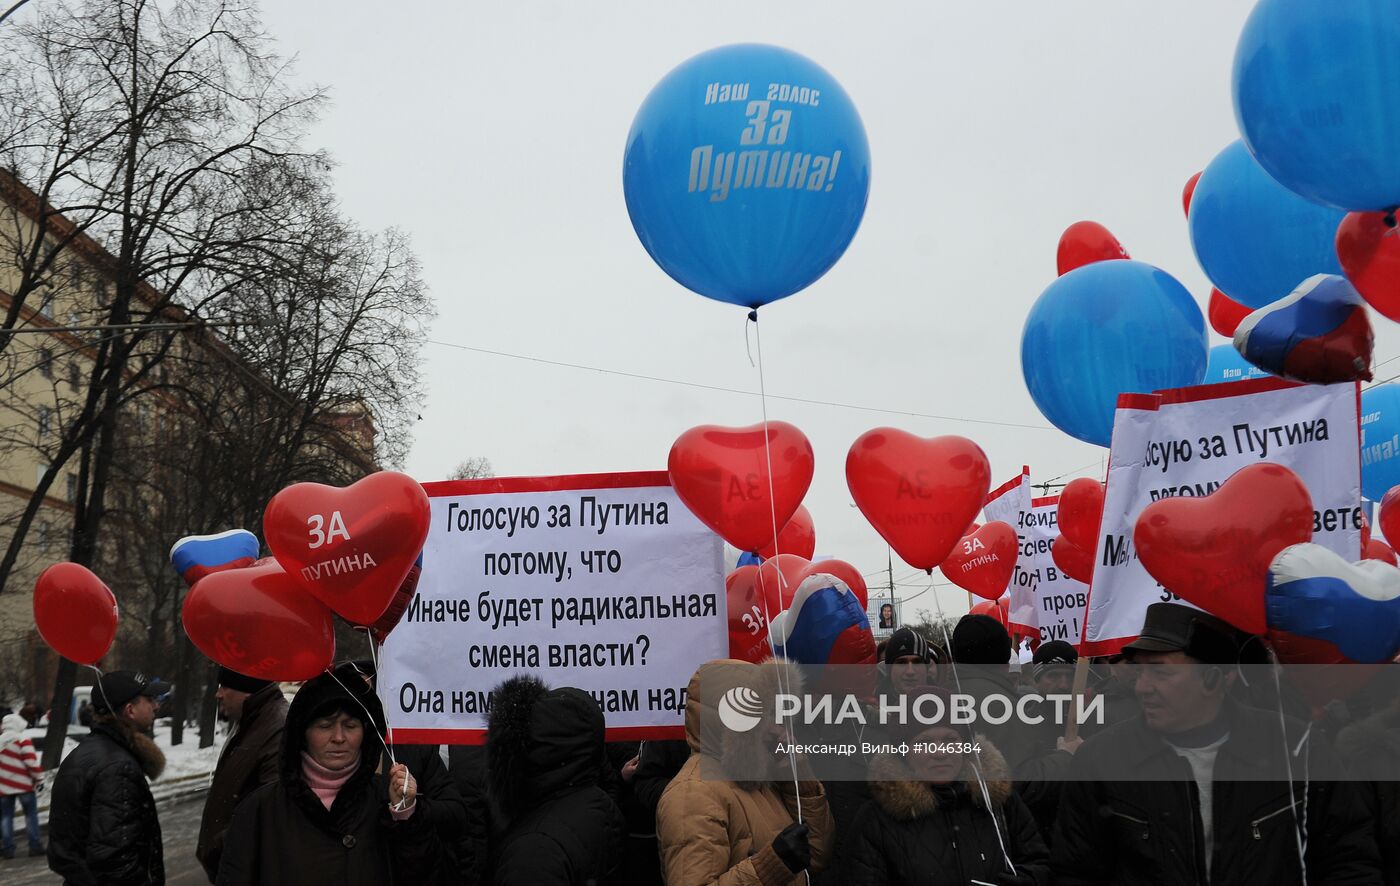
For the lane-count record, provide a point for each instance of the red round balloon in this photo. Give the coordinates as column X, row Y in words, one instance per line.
column 260, row 622
column 1072, row 560
column 75, row 612
column 1079, row 511
column 1375, row 549
column 722, row 475
column 1215, row 551
column 998, row 609
column 1389, row 516
column 351, row 547
column 1188, row 192
column 748, row 617
column 920, row 494
column 847, row 573
column 1225, row 313
column 1365, row 532
column 781, row 576
column 798, row 536
column 1369, row 250
column 1084, row 243
column 984, row 561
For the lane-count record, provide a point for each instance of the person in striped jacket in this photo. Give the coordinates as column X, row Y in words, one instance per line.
column 20, row 779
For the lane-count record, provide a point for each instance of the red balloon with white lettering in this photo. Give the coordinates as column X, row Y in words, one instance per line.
column 748, row 615
column 351, row 547
column 984, row 561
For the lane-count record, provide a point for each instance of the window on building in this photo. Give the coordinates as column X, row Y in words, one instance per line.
column 46, row 362
column 46, row 306
column 75, row 275
column 72, row 487
column 39, row 473
column 75, row 375
column 43, row 534
column 45, row 416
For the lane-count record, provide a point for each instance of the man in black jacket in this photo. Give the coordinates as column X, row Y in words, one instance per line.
column 103, row 829
column 1196, row 789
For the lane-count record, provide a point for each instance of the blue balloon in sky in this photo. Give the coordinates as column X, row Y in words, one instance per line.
column 1317, row 97
column 746, row 173
column 1226, row 364
column 1255, row 239
column 1380, row 440
column 1105, row 329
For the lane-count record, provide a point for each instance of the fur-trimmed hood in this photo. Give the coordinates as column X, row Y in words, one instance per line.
column 148, row 755
column 895, row 787
column 540, row 743
column 704, row 730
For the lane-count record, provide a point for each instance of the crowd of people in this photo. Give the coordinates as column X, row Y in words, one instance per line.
column 1171, row 789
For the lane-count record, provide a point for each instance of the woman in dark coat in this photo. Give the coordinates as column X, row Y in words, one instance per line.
column 552, row 825
column 929, row 823
column 330, row 818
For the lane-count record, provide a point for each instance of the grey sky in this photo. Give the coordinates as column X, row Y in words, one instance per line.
column 493, row 133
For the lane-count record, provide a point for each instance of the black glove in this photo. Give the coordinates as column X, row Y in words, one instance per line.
column 792, row 847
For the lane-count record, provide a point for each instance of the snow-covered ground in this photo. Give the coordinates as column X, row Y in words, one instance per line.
column 188, row 767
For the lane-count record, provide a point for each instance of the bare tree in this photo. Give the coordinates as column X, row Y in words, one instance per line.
column 475, row 468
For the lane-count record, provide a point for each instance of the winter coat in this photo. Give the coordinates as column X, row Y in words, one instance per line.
column 1129, row 813
column 251, row 757
column 1017, row 741
column 660, row 761
column 720, row 832
column 1376, row 740
column 466, row 766
column 551, row 822
column 913, row 832
column 103, row 829
column 283, row 833
column 20, row 772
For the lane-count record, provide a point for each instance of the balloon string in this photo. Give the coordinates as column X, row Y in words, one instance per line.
column 1298, row 832
column 957, row 682
column 773, row 519
column 382, row 733
column 748, row 347
column 100, row 691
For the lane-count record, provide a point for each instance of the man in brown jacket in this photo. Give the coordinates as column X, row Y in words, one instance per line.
column 738, row 833
column 256, row 710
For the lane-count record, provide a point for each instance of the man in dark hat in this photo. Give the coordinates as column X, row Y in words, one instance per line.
column 255, row 711
column 102, row 820
column 1052, row 668
column 910, row 663
column 1196, row 788
column 981, row 655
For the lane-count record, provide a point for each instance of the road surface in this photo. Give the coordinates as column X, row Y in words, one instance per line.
column 179, row 827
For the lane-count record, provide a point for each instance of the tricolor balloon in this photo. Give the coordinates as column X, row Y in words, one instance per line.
column 746, row 173
column 1319, row 334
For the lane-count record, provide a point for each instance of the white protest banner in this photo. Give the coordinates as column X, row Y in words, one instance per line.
column 605, row 582
column 1043, row 599
column 1188, row 441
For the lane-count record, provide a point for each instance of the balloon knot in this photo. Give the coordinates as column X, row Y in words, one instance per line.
column 753, row 315
column 1390, row 218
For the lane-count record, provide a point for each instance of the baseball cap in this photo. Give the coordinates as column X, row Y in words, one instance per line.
column 117, row 688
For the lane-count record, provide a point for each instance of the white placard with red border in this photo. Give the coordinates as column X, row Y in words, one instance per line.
column 624, row 601
column 1044, row 600
column 1188, row 441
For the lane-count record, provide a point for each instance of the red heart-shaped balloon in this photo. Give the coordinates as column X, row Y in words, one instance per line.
column 351, row 547
column 1084, row 243
column 920, row 494
column 1369, row 250
column 998, row 609
column 781, row 576
column 1079, row 512
column 1072, row 560
column 1375, row 549
column 1215, row 551
column 722, row 475
column 260, row 622
column 1389, row 515
column 748, row 617
column 984, row 561
column 798, row 536
column 397, row 606
column 1225, row 314
column 1188, row 192
column 75, row 612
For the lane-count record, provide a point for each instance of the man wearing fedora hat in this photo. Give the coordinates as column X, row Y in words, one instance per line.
column 103, row 827
column 1196, row 788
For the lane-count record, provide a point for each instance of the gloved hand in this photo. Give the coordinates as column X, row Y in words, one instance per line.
column 792, row 847
column 1006, row 878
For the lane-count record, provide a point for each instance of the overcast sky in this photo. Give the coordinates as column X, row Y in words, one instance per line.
column 493, row 133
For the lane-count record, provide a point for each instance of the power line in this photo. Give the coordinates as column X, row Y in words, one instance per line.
column 724, row 390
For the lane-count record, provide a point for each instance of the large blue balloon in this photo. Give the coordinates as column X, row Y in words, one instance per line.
column 1317, row 96
column 1255, row 239
column 746, row 173
column 1380, row 440
column 1226, row 364
column 1106, row 329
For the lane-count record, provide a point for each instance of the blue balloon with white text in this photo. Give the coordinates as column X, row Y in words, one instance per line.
column 1317, row 98
column 1255, row 239
column 746, row 173
column 1380, row 440
column 1104, row 329
column 1226, row 365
